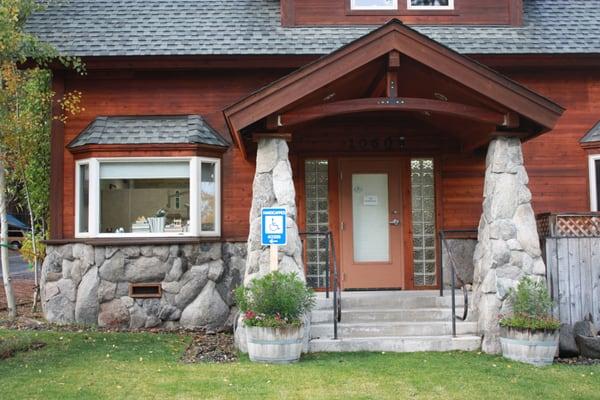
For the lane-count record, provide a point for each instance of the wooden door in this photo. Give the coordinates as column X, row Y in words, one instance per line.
column 371, row 224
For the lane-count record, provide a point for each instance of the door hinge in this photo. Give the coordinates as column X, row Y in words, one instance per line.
column 341, row 175
column 344, row 277
column 343, row 225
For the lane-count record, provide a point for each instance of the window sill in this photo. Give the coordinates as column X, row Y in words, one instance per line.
column 162, row 240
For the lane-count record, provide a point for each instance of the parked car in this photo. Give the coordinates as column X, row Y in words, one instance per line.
column 15, row 237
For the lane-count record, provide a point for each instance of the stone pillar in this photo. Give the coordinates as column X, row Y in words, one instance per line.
column 273, row 187
column 508, row 246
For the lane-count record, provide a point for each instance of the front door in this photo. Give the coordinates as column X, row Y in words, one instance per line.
column 371, row 224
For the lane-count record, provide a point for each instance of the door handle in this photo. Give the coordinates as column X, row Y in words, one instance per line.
column 395, row 222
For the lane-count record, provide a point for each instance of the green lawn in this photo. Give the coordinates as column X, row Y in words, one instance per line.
column 145, row 366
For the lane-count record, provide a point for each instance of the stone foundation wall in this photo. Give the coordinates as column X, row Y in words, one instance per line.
column 89, row 285
column 462, row 253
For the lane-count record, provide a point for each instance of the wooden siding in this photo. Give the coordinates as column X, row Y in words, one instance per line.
column 204, row 92
column 573, row 276
column 556, row 163
column 331, row 12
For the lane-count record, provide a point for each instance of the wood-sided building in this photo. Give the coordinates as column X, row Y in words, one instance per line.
column 387, row 106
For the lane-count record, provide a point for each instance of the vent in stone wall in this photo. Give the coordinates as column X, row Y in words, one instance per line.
column 145, row 290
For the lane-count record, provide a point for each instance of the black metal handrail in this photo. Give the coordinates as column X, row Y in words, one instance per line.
column 337, row 290
column 454, row 278
column 331, row 260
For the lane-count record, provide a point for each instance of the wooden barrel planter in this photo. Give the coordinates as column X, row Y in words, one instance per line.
column 275, row 345
column 532, row 347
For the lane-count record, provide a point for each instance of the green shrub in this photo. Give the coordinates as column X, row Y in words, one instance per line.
column 275, row 300
column 532, row 307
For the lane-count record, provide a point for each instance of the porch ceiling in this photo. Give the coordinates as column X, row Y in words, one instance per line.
column 395, row 70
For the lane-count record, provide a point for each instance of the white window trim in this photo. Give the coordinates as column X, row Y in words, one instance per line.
column 394, row 6
column 78, row 165
column 450, row 6
column 195, row 187
column 592, row 176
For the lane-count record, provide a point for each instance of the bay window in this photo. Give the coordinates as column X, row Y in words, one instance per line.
column 166, row 196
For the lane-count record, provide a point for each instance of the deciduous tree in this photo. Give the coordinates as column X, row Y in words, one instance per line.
column 25, row 119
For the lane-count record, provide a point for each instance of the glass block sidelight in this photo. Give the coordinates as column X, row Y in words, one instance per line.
column 423, row 221
column 316, row 181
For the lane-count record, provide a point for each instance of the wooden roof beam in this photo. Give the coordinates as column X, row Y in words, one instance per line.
column 483, row 140
column 393, row 67
column 313, row 113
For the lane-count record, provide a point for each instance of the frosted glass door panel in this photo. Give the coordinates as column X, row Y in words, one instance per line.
column 370, row 218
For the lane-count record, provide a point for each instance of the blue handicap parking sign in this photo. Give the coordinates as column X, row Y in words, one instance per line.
column 273, row 226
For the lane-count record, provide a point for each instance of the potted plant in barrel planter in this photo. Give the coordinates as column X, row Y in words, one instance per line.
column 273, row 310
column 530, row 333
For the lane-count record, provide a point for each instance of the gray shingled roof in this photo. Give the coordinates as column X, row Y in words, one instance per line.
column 149, row 130
column 593, row 134
column 221, row 27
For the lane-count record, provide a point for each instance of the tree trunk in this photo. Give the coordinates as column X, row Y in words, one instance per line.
column 34, row 239
column 8, row 290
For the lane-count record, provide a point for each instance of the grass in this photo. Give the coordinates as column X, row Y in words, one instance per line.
column 94, row 365
column 12, row 344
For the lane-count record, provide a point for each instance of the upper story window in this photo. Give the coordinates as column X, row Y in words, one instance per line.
column 374, row 4
column 392, row 5
column 161, row 196
column 430, row 4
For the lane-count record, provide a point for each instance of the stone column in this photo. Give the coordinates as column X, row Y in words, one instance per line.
column 508, row 246
column 273, row 187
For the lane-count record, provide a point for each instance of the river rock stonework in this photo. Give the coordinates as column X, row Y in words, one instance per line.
column 462, row 251
column 273, row 187
column 89, row 285
column 508, row 245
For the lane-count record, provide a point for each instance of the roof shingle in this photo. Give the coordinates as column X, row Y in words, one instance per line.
column 149, row 130
column 593, row 135
column 244, row 27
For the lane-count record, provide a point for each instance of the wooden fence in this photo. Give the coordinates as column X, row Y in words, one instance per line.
column 571, row 247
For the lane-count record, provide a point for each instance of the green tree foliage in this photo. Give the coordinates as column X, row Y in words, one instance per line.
column 25, row 108
column 25, row 120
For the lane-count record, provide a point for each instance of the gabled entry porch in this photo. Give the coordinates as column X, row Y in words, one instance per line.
column 378, row 132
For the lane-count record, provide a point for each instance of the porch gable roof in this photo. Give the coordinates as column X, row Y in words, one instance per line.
column 503, row 95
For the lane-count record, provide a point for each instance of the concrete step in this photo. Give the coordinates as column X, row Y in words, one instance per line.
column 400, row 344
column 414, row 301
column 385, row 315
column 382, row 329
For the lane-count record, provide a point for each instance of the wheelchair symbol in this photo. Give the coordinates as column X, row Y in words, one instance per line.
column 274, row 224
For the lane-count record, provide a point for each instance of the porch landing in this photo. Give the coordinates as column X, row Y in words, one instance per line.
column 395, row 321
